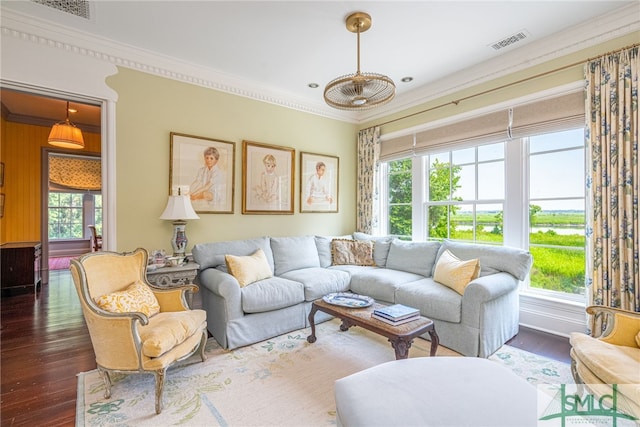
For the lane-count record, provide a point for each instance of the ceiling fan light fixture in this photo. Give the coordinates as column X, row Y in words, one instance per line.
column 359, row 91
column 66, row 134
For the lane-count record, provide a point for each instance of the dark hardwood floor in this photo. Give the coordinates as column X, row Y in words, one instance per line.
column 45, row 344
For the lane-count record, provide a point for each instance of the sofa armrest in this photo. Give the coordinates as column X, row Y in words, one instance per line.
column 224, row 287
column 487, row 288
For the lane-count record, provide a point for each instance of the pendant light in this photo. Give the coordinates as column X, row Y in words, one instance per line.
column 66, row 134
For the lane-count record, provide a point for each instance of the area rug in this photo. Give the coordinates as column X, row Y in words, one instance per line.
column 59, row 263
column 284, row 381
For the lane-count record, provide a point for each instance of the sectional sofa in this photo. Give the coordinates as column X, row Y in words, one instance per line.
column 255, row 289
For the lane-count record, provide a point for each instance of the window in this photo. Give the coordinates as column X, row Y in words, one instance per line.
column 466, row 198
column 466, row 194
column 70, row 213
column 557, row 211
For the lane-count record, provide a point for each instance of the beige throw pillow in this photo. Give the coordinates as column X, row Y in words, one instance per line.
column 454, row 273
column 248, row 269
column 352, row 252
column 138, row 297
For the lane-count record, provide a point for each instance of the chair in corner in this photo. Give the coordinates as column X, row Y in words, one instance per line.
column 609, row 356
column 134, row 326
column 96, row 239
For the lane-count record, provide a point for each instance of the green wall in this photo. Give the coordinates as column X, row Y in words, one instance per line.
column 150, row 107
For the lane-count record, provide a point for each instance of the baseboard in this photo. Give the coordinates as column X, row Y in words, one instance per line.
column 552, row 315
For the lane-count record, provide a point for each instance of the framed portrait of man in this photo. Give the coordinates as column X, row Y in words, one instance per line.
column 203, row 168
column 318, row 182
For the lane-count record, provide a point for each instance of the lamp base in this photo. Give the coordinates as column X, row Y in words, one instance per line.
column 179, row 240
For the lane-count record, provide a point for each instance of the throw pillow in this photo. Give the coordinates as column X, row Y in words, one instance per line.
column 352, row 252
column 249, row 269
column 138, row 297
column 455, row 273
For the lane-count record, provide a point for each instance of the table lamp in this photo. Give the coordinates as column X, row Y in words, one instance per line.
column 179, row 210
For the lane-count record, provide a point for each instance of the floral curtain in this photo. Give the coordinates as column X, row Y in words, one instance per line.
column 613, row 227
column 367, row 190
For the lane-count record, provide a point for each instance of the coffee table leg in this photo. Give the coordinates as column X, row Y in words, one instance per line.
column 435, row 341
column 312, row 322
column 401, row 347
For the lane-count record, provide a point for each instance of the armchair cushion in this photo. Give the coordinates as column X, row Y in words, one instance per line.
column 137, row 297
column 167, row 330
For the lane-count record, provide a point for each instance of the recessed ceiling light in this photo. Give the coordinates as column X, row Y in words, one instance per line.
column 313, row 85
column 406, row 79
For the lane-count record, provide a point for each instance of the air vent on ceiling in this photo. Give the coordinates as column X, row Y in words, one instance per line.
column 74, row 7
column 508, row 41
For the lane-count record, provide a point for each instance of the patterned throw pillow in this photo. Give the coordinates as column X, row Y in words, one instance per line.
column 249, row 269
column 352, row 252
column 138, row 297
column 454, row 273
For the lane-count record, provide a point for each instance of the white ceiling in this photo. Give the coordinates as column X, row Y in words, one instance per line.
column 272, row 50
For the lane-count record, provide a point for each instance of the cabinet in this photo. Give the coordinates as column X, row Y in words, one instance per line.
column 20, row 266
column 172, row 276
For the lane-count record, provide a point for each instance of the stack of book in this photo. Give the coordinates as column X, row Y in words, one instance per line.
column 396, row 314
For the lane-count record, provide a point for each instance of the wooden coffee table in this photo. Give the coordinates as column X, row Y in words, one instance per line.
column 401, row 336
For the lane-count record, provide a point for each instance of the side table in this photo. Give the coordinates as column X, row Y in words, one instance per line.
column 173, row 276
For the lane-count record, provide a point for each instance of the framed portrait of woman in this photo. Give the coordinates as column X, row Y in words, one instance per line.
column 267, row 178
column 203, row 168
column 318, row 183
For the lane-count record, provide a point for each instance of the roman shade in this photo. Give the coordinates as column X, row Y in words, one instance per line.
column 75, row 172
column 547, row 115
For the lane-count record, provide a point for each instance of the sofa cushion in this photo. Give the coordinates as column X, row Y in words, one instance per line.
column 271, row 294
column 380, row 283
column 248, row 269
column 323, row 245
column 414, row 257
column 213, row 254
column 319, row 281
column 351, row 252
column 293, row 253
column 493, row 259
column 434, row 300
column 454, row 273
column 166, row 330
column 380, row 248
column 137, row 297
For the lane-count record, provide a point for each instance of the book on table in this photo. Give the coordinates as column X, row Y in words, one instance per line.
column 395, row 322
column 396, row 312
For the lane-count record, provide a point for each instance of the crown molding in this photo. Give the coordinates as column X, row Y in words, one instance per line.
column 28, row 28
column 616, row 24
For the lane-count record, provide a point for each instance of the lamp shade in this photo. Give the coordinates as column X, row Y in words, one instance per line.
column 66, row 135
column 179, row 208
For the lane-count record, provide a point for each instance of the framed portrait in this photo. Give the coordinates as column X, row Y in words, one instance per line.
column 267, row 178
column 318, row 183
column 204, row 169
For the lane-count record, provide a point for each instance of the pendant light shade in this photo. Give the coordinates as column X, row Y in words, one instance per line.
column 359, row 91
column 66, row 134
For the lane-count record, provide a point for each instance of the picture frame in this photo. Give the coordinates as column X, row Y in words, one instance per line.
column 1, row 174
column 267, row 178
column 190, row 174
column 1, row 205
column 319, row 182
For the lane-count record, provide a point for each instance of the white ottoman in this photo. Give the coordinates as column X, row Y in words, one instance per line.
column 436, row 391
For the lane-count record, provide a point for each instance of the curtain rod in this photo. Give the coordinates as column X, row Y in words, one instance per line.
column 546, row 73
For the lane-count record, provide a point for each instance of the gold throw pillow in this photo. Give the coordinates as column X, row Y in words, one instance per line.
column 249, row 269
column 455, row 273
column 138, row 297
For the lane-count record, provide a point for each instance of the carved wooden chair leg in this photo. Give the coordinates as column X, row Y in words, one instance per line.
column 106, row 378
column 203, row 344
column 159, row 374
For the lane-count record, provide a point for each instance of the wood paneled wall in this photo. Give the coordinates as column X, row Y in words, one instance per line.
column 21, row 152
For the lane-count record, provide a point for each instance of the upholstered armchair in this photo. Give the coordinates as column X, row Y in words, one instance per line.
column 135, row 327
column 611, row 355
